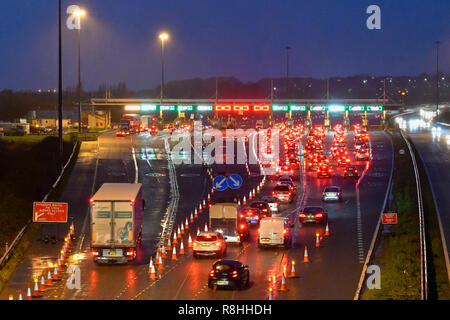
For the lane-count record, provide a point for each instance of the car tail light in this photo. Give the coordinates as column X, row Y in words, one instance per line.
column 323, row 193
column 257, row 217
column 95, row 253
column 235, row 274
column 242, row 226
column 329, row 170
column 302, row 215
column 259, row 230
column 319, row 215
column 218, row 244
column 129, row 253
column 367, row 153
column 339, row 193
column 195, row 243
column 284, row 231
column 241, row 215
column 211, row 273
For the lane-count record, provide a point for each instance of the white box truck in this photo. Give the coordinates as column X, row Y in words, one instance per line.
column 116, row 222
column 224, row 218
column 274, row 231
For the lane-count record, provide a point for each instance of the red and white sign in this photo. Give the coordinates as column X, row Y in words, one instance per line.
column 389, row 218
column 50, row 212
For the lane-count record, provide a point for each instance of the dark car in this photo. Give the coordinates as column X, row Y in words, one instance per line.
column 313, row 215
column 351, row 172
column 263, row 206
column 251, row 215
column 229, row 273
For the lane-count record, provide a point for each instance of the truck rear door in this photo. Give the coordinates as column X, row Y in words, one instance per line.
column 123, row 223
column 101, row 219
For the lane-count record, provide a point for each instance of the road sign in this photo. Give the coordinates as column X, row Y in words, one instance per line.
column 50, row 212
column 389, row 218
column 234, row 181
column 220, row 183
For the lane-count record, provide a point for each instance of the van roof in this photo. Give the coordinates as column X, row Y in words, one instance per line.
column 117, row 191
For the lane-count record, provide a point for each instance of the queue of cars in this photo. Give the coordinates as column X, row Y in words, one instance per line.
column 274, row 230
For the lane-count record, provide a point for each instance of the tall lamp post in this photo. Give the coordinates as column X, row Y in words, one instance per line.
column 78, row 14
column 163, row 37
column 60, row 132
column 437, row 79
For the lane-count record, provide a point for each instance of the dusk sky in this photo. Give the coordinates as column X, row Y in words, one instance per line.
column 241, row 38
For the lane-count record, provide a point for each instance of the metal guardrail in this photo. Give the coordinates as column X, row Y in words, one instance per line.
column 438, row 215
column 422, row 233
column 377, row 232
column 19, row 236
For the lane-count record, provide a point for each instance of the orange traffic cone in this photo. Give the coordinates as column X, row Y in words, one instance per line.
column 198, row 230
column 49, row 278
column 204, row 203
column 36, row 292
column 56, row 273
column 169, row 246
column 206, row 227
column 178, row 232
column 192, row 218
column 175, row 241
column 200, row 208
column 270, row 293
column 244, row 201
column 209, row 197
column 195, row 213
column 189, row 241
column 29, row 297
column 293, row 274
column 283, row 283
column 153, row 273
column 182, row 229
column 42, row 286
column 160, row 264
column 150, row 265
column 305, row 256
column 174, row 253
column 182, row 247
column 20, row 295
column 317, row 240
column 163, row 252
column 327, row 231
column 186, row 224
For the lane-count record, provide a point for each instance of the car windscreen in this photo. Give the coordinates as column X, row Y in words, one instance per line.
column 224, row 268
column 282, row 188
column 312, row 210
column 270, row 200
column 331, row 189
column 206, row 238
column 258, row 204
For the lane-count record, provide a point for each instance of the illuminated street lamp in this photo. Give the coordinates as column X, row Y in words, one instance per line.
column 79, row 14
column 163, row 37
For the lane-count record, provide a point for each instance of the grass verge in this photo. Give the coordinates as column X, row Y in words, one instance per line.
column 399, row 259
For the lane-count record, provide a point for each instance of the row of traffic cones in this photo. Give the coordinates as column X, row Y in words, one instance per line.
column 47, row 281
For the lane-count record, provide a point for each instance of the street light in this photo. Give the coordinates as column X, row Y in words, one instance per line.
column 163, row 37
column 79, row 14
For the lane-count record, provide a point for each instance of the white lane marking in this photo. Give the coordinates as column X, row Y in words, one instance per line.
column 359, row 232
column 169, row 218
column 136, row 169
column 86, row 218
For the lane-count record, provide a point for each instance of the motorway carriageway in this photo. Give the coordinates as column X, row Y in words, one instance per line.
column 333, row 272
